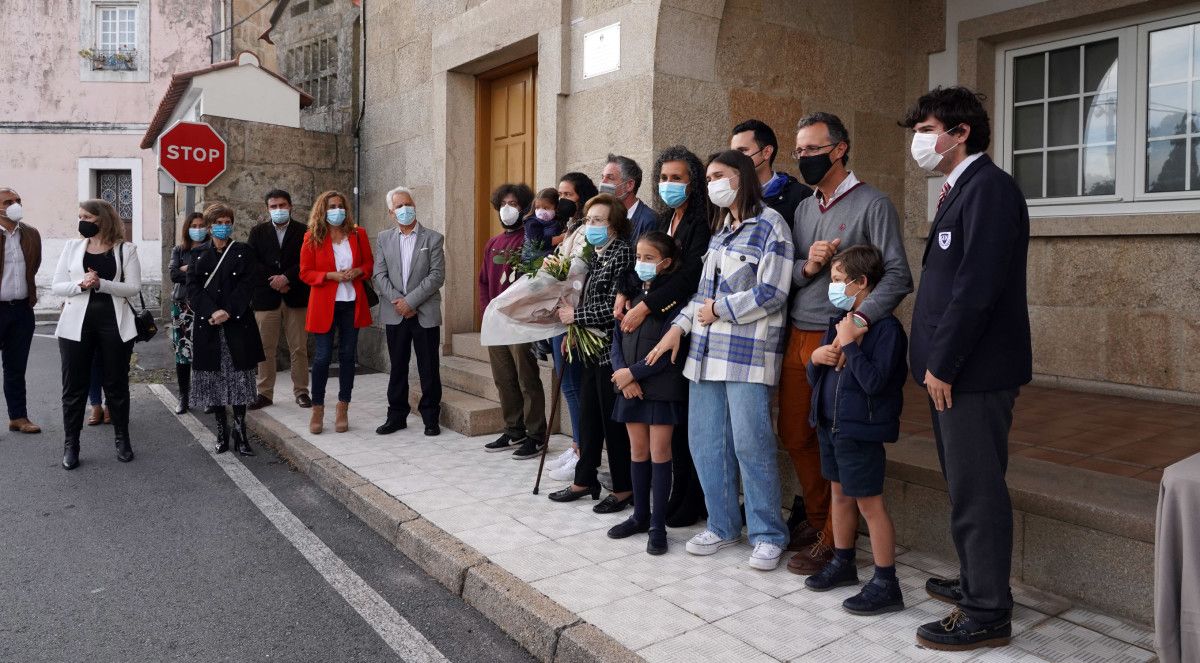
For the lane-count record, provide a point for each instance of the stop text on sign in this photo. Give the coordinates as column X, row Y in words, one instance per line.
column 186, row 153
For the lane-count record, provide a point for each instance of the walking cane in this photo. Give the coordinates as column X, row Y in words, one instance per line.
column 555, row 397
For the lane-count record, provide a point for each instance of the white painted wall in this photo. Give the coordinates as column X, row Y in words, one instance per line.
column 248, row 93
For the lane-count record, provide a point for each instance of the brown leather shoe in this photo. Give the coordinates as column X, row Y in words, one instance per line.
column 23, row 425
column 812, row 559
column 341, row 421
column 317, row 423
column 304, row 401
column 259, row 402
column 107, row 415
column 97, row 417
column 803, row 536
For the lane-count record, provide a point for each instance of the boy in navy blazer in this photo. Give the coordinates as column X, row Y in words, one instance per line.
column 971, row 351
column 855, row 410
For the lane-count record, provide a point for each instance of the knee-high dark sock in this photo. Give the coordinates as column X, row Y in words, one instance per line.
column 660, row 486
column 639, row 472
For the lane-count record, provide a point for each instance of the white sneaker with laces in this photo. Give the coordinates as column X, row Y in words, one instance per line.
column 566, row 471
column 562, row 458
column 707, row 543
column 765, row 556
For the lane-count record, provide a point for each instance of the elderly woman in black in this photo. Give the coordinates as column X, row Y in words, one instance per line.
column 684, row 193
column 226, row 347
column 606, row 230
column 193, row 235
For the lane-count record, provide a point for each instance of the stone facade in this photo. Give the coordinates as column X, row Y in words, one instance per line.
column 690, row 69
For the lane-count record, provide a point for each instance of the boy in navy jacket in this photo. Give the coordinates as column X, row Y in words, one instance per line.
column 858, row 376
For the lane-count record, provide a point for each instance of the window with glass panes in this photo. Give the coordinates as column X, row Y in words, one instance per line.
column 1064, row 118
column 117, row 28
column 1173, row 110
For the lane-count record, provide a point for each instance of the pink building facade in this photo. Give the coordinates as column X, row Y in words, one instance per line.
column 76, row 95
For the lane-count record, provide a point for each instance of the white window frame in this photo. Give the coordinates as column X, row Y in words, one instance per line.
column 89, row 38
column 1130, row 196
column 116, row 7
column 86, row 181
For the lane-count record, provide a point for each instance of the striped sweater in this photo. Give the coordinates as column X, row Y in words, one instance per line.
column 747, row 272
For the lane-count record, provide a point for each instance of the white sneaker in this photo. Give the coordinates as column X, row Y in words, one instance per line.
column 562, row 458
column 765, row 556
column 565, row 471
column 707, row 543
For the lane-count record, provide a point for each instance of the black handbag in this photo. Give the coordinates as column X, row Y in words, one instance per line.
column 368, row 288
column 143, row 321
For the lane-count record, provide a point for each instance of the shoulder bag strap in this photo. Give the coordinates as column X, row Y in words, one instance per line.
column 214, row 271
column 121, row 266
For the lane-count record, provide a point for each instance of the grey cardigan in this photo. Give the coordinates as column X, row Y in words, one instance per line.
column 425, row 277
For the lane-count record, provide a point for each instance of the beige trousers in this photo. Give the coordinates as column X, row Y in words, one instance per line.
column 292, row 322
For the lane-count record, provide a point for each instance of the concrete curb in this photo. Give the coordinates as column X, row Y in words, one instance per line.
column 550, row 632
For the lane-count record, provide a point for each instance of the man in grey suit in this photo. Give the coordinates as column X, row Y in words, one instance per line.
column 622, row 178
column 410, row 268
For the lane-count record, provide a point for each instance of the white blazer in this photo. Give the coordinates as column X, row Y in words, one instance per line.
column 70, row 272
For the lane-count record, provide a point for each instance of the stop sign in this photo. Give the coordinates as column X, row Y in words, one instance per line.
column 192, row 153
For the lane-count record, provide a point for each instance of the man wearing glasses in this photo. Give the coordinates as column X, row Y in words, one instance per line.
column 842, row 212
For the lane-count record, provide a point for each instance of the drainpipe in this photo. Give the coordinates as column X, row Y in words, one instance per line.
column 362, row 107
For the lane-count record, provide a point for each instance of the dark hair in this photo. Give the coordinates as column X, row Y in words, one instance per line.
column 764, row 136
column 112, row 229
column 217, row 211
column 749, row 196
column 861, row 260
column 185, row 240
column 617, row 219
column 666, row 246
column 697, row 194
column 629, row 169
column 548, row 194
column 953, row 107
column 522, row 191
column 585, row 188
column 833, row 124
column 277, row 193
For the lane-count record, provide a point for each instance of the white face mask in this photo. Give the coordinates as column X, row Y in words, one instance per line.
column 924, row 150
column 15, row 212
column 508, row 215
column 720, row 193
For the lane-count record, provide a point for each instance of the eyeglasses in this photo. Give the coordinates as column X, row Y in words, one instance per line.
column 811, row 150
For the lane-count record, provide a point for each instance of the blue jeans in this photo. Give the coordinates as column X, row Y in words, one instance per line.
column 729, row 430
column 343, row 326
column 570, row 382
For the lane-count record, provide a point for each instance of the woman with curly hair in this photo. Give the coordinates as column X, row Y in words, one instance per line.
column 335, row 261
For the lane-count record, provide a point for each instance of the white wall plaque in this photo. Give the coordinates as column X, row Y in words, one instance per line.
column 602, row 51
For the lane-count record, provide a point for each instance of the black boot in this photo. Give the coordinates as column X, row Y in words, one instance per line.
column 660, row 488
column 798, row 515
column 70, row 459
column 183, row 374
column 222, row 430
column 124, row 451
column 241, row 441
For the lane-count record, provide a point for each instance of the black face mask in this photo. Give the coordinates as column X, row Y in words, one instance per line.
column 88, row 229
column 566, row 208
column 813, row 168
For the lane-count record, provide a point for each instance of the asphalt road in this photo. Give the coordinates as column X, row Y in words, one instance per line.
column 167, row 559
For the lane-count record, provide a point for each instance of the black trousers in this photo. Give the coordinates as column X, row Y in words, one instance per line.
column 16, row 333
column 98, row 337
column 403, row 340
column 972, row 444
column 597, row 430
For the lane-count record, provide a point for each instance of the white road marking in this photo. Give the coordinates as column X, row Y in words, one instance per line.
column 401, row 636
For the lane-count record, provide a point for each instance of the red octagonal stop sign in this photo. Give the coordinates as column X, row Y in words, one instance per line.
column 192, row 153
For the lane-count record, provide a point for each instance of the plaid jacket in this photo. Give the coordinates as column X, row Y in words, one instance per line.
column 748, row 272
column 595, row 310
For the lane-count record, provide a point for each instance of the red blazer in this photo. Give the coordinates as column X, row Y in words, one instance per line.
column 316, row 262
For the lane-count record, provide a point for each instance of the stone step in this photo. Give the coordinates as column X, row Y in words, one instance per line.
column 467, row 345
column 462, row 412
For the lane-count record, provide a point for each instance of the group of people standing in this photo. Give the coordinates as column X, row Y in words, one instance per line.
column 751, row 285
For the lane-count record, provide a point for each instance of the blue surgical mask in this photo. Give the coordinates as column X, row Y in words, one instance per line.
column 672, row 193
column 280, row 216
column 197, row 234
column 335, row 217
column 596, row 235
column 222, row 230
column 406, row 214
column 839, row 298
column 646, row 271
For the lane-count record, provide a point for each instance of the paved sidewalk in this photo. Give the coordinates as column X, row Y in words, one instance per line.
column 676, row 607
